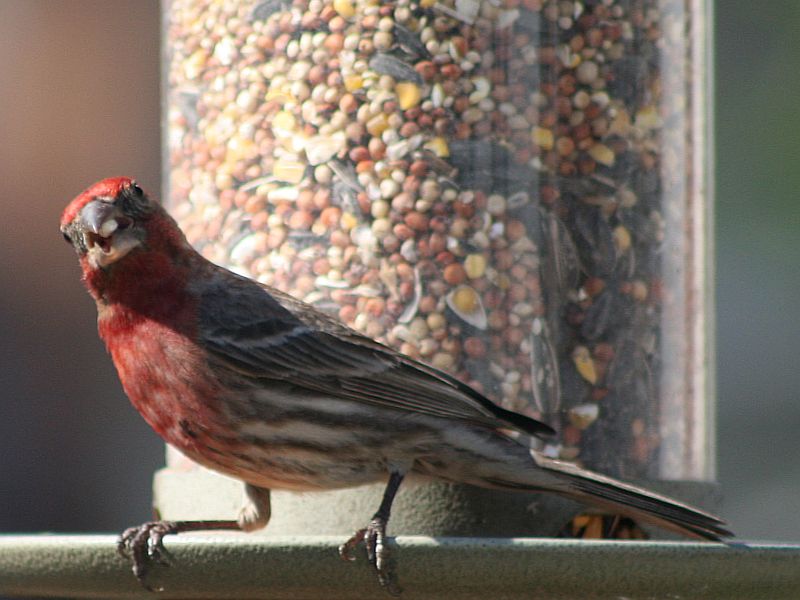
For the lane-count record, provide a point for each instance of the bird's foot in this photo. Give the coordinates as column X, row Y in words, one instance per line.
column 143, row 545
column 374, row 538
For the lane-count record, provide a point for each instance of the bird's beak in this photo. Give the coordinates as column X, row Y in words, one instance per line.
column 97, row 217
column 98, row 223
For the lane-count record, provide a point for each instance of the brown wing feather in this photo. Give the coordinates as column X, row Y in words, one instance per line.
column 266, row 334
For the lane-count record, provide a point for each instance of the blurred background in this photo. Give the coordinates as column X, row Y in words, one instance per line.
column 79, row 101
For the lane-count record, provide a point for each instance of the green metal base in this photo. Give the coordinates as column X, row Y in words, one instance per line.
column 293, row 568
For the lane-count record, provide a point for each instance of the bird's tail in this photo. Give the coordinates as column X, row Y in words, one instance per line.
column 587, row 487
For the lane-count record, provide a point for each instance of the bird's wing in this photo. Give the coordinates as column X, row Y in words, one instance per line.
column 264, row 334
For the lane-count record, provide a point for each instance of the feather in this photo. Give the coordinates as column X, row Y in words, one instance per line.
column 267, row 335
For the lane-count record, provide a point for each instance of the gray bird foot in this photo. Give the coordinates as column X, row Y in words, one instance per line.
column 143, row 545
column 374, row 538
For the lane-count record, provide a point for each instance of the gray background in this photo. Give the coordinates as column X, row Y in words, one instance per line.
column 79, row 101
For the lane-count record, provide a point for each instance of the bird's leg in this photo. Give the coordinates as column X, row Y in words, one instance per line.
column 374, row 538
column 144, row 544
column 256, row 508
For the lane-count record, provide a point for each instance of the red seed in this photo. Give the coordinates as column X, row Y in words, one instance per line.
column 348, row 103
column 375, row 306
column 427, row 304
column 321, row 266
column 426, row 69
column 377, row 149
column 438, row 243
column 451, row 71
column 358, row 154
column 594, row 285
column 334, row 42
column 403, row 231
column 475, row 347
column 347, row 313
column 416, row 220
column 301, row 219
column 365, row 166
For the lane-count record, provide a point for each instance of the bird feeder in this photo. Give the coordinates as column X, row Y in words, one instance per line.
column 517, row 193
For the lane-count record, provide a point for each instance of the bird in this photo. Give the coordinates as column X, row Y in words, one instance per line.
column 253, row 383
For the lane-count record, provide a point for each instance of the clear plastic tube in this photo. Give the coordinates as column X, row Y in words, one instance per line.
column 516, row 192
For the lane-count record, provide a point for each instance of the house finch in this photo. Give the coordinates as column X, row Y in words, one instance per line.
column 255, row 384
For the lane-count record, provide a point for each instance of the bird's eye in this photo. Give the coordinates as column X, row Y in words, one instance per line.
column 66, row 237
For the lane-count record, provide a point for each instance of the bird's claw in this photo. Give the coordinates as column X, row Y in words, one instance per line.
column 374, row 538
column 143, row 545
column 346, row 549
